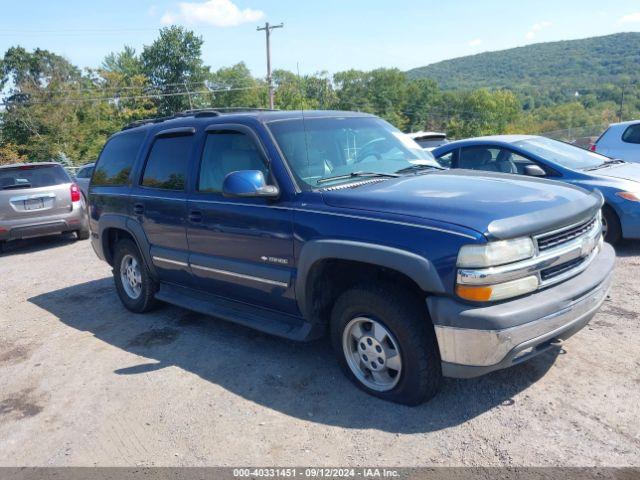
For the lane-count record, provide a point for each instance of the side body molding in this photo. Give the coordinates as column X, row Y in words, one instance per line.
column 418, row 268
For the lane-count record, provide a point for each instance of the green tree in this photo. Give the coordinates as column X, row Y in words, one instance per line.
column 235, row 87
column 173, row 63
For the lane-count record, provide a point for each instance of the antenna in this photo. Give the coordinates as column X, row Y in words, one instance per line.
column 304, row 124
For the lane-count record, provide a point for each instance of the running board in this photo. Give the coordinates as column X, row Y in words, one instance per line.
column 264, row 320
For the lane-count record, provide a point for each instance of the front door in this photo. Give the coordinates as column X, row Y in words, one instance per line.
column 240, row 248
column 160, row 203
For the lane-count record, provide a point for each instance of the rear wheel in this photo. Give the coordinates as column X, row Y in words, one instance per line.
column 135, row 286
column 385, row 343
column 611, row 228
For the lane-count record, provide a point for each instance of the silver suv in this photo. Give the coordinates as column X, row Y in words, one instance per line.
column 38, row 199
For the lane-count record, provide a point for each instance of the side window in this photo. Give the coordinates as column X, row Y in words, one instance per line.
column 167, row 163
column 85, row 172
column 227, row 151
column 493, row 159
column 447, row 159
column 117, row 158
column 632, row 134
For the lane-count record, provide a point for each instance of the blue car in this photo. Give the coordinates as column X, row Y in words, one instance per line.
column 617, row 180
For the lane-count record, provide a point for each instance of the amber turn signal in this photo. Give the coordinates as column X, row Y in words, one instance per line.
column 474, row 293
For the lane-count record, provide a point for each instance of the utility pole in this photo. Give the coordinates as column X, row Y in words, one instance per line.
column 267, row 29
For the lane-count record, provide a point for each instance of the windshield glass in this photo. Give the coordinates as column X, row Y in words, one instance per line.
column 562, row 153
column 319, row 148
column 32, row 176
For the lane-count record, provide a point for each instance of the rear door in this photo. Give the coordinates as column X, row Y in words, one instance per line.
column 32, row 193
column 159, row 202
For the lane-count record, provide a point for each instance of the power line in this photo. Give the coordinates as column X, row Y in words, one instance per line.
column 132, row 97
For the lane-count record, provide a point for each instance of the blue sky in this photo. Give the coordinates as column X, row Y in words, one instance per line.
column 330, row 35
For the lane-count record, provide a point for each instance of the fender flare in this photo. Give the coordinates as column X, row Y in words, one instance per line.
column 133, row 228
column 416, row 267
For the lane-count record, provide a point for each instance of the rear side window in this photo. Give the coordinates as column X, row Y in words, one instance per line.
column 32, row 176
column 167, row 163
column 632, row 134
column 117, row 158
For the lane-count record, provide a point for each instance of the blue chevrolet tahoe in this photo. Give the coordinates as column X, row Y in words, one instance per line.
column 306, row 224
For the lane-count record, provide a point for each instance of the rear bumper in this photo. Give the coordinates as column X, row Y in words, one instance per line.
column 477, row 340
column 23, row 228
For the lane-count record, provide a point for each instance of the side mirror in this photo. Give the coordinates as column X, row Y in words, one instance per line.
column 248, row 183
column 534, row 171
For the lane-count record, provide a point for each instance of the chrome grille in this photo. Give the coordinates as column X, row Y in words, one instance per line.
column 552, row 272
column 546, row 242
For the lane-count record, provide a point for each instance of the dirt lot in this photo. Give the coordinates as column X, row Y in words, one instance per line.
column 84, row 382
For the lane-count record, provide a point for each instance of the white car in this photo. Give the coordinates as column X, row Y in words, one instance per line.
column 620, row 141
column 429, row 140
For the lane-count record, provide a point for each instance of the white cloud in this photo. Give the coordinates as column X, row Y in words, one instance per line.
column 631, row 18
column 217, row 13
column 475, row 42
column 537, row 27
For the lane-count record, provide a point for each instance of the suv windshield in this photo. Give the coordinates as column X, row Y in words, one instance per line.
column 319, row 149
column 32, row 176
column 562, row 153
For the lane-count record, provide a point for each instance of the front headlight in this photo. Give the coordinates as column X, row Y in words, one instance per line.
column 497, row 253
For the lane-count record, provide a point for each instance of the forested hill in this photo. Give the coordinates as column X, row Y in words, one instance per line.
column 580, row 63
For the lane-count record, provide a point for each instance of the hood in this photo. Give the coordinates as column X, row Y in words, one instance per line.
column 497, row 205
column 624, row 171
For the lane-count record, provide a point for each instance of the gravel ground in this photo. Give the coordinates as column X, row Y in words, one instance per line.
column 83, row 382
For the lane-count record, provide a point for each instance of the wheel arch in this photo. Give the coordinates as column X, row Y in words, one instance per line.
column 113, row 227
column 359, row 260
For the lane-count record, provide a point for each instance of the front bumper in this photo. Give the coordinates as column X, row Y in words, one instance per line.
column 477, row 340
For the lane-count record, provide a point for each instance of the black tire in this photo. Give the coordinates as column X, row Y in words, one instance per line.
column 146, row 301
column 614, row 230
column 83, row 234
column 404, row 315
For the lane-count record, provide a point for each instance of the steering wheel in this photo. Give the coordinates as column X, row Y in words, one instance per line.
column 369, row 149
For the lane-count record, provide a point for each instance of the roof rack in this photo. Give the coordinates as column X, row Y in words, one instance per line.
column 198, row 113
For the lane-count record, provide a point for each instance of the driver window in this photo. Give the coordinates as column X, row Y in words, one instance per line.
column 493, row 159
column 227, row 151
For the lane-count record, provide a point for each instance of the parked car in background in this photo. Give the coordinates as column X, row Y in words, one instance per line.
column 429, row 140
column 337, row 223
column 83, row 177
column 617, row 180
column 39, row 199
column 620, row 140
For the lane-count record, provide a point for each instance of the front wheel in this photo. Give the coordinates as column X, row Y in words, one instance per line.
column 385, row 343
column 135, row 286
column 611, row 229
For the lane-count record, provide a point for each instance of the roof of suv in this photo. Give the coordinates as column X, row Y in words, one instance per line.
column 192, row 117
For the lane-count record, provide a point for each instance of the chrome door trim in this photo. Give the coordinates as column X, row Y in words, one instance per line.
column 240, row 275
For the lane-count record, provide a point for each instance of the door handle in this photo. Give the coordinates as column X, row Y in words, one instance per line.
column 195, row 216
column 138, row 209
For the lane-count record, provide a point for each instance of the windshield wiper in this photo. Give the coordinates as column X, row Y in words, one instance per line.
column 606, row 164
column 418, row 167
column 355, row 175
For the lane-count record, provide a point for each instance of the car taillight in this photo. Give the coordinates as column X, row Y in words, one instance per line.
column 592, row 147
column 75, row 193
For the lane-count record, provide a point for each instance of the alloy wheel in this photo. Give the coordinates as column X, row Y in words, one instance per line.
column 372, row 354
